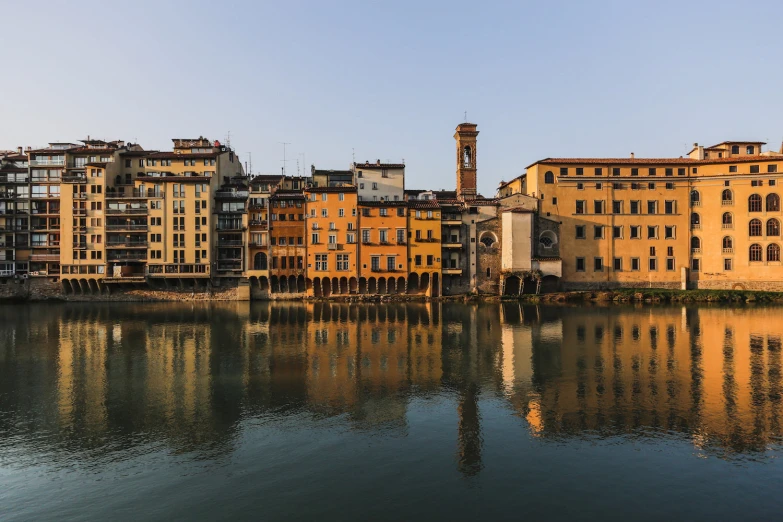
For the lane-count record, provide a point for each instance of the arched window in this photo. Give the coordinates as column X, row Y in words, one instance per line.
column 549, row 178
column 754, row 228
column 735, row 149
column 773, row 203
column 695, row 244
column 467, row 156
column 695, row 197
column 695, row 220
column 750, row 149
column 754, row 253
column 548, row 239
column 259, row 261
column 727, row 197
column 754, row 203
column 773, row 227
column 728, row 243
column 773, row 252
column 728, row 220
column 488, row 239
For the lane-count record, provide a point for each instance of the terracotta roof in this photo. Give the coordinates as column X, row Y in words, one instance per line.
column 87, row 150
column 654, row 161
column 325, row 172
column 347, row 188
column 266, row 178
column 481, row 202
column 368, row 165
column 382, row 203
column 519, row 210
column 96, row 164
column 174, row 155
column 16, row 157
column 735, row 143
column 546, row 259
column 137, row 152
column 423, row 203
column 287, row 195
column 51, row 152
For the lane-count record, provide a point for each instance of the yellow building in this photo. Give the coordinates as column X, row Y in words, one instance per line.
column 710, row 220
column 424, row 246
column 383, row 252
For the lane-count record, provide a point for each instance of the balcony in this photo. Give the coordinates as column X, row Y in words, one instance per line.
column 80, row 195
column 230, row 242
column 178, row 270
column 695, row 250
column 133, row 194
column 79, row 246
column 127, row 244
column 695, row 226
column 727, row 226
column 449, row 221
column 452, row 244
column 728, row 250
column 125, row 226
column 333, row 246
column 8, row 195
column 46, row 244
column 229, row 265
column 232, row 194
column 79, row 211
column 727, row 203
column 74, row 178
column 452, row 271
column 258, row 225
column 7, row 273
column 121, row 255
column 257, row 244
column 230, row 227
column 45, row 257
column 133, row 211
column 47, row 162
column 696, row 203
column 219, row 210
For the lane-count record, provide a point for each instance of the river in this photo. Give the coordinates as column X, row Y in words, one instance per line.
column 401, row 411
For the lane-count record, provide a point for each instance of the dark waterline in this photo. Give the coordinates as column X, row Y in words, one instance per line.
column 389, row 412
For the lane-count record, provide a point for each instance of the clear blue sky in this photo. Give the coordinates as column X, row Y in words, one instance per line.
column 391, row 80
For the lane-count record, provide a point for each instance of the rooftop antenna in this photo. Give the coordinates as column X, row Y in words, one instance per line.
column 466, row 116
column 284, row 143
column 297, row 167
column 304, row 163
column 250, row 161
column 353, row 154
column 228, row 140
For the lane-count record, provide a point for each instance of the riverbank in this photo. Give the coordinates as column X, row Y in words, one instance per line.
column 653, row 295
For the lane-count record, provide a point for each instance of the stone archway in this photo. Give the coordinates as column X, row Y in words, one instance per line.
column 382, row 285
column 372, row 286
column 353, row 285
column 435, row 284
column 362, row 285
column 413, row 283
column 512, row 285
column 343, row 285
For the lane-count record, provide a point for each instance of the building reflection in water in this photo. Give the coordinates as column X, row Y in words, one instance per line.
column 90, row 377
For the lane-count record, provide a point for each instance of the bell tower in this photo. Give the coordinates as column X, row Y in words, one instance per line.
column 466, row 160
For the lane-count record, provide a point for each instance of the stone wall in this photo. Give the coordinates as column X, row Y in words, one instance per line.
column 761, row 286
column 488, row 261
column 567, row 286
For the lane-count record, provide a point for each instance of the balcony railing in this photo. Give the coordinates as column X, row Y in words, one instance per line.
column 79, row 211
column 47, row 162
column 126, row 244
column 230, row 243
column 728, row 250
column 727, row 226
column 74, row 178
column 695, row 250
column 236, row 227
column 80, row 195
column 232, row 194
column 727, row 203
column 696, row 203
column 259, row 224
column 695, row 226
column 177, row 269
column 119, row 255
column 126, row 226
column 45, row 257
column 133, row 194
column 127, row 211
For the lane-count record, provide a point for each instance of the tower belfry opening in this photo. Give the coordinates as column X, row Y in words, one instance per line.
column 466, row 136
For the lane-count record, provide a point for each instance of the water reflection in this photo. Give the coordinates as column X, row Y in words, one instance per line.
column 90, row 379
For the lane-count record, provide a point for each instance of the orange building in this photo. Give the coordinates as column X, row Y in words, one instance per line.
column 383, row 252
column 287, row 242
column 331, row 240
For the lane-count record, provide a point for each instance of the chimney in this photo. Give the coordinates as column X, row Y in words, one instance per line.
column 632, row 155
column 378, row 162
column 18, row 150
column 29, row 148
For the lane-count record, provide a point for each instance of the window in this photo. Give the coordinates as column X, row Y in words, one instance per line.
column 754, row 169
column 374, row 185
column 580, row 186
column 341, row 197
column 652, row 207
column 735, row 149
column 563, row 171
column 773, row 182
column 726, row 197
column 670, row 186
column 669, row 172
column 430, row 259
column 634, row 172
column 598, row 232
column 615, row 171
column 695, row 264
column 670, row 264
column 617, row 232
column 750, row 149
column 757, row 183
column 670, row 251
column 598, row 206
column 695, row 198
column 651, row 186
column 635, row 205
column 580, row 206
column 669, row 231
column 636, row 231
column 599, row 186
column 321, row 262
column 681, row 171
column 417, row 260
column 728, row 245
column 732, row 168
column 580, row 264
column 754, row 203
column 727, row 264
column 695, row 221
column 549, row 177
column 580, row 232
column 754, row 252
column 617, row 207
column 773, row 203
column 635, row 264
column 754, row 228
column 773, row 227
column 773, row 252
column 772, row 168
column 653, row 264
column 651, row 172
column 695, row 245
column 598, row 264
column 342, row 262
column 617, row 264
column 554, row 201
column 669, row 207
column 580, row 171
column 728, row 220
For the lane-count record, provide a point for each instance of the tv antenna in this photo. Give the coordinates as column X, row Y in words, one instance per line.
column 250, row 161
column 284, row 143
column 466, row 116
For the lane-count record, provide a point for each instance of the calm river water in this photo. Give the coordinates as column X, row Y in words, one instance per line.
column 389, row 412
